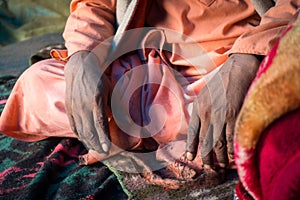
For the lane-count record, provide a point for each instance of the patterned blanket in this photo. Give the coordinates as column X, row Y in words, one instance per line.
column 49, row 169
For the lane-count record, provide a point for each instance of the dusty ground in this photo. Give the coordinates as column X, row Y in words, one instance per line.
column 14, row 58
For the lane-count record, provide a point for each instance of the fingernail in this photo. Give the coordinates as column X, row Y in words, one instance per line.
column 104, row 147
column 83, row 160
column 222, row 165
column 207, row 166
column 189, row 156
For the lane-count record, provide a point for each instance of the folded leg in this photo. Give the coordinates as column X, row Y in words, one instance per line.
column 35, row 108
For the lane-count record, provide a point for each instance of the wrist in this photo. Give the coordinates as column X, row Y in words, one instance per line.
column 259, row 57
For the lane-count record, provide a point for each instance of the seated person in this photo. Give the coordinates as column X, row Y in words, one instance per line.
column 197, row 69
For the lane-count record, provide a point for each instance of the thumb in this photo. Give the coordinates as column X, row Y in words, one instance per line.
column 193, row 136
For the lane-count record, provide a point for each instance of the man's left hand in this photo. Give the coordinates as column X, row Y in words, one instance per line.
column 216, row 108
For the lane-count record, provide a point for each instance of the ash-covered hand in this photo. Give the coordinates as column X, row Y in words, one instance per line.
column 216, row 108
column 86, row 98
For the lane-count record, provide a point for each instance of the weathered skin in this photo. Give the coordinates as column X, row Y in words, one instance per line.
column 234, row 78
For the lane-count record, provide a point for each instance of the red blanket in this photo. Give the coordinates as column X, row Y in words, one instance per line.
column 267, row 142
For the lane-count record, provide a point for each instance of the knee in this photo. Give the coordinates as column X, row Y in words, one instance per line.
column 43, row 70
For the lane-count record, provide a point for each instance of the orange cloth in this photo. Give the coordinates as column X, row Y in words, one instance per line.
column 35, row 109
column 92, row 21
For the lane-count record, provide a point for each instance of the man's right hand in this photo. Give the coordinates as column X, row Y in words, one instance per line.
column 85, row 101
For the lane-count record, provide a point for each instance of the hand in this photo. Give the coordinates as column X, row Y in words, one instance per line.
column 216, row 108
column 85, row 103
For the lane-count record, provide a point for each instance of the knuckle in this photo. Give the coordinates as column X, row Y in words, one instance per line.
column 230, row 147
column 231, row 113
column 205, row 113
column 229, row 138
column 220, row 145
column 202, row 139
column 205, row 143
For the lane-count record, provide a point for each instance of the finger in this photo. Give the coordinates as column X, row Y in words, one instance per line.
column 193, row 135
column 220, row 149
column 79, row 130
column 206, row 143
column 91, row 135
column 229, row 138
column 102, row 128
column 86, row 131
column 100, row 116
column 68, row 106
